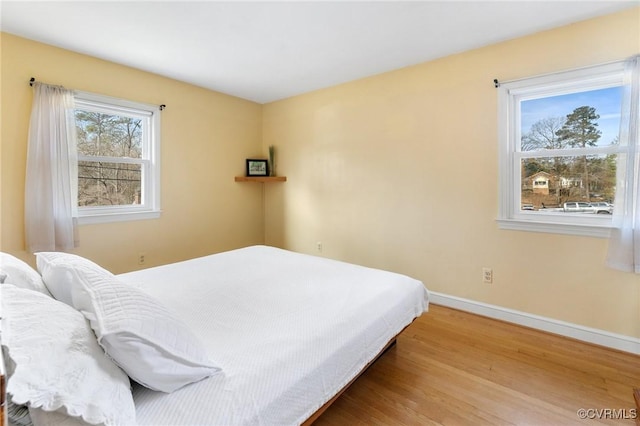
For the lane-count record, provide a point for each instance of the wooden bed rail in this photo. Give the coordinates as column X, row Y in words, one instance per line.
column 3, row 392
column 322, row 409
column 636, row 396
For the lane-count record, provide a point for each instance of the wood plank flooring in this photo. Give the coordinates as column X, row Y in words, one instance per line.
column 454, row 368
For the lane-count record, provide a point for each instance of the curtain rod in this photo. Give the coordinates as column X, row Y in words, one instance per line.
column 33, row 80
column 497, row 83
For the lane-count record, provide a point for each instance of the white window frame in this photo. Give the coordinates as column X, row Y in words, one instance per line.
column 149, row 207
column 510, row 94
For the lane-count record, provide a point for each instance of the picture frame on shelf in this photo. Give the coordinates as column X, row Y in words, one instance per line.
column 257, row 167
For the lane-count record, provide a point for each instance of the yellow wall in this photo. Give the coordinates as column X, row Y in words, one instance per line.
column 206, row 137
column 397, row 171
column 400, row 171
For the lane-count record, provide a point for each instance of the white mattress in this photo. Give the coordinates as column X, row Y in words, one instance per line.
column 289, row 331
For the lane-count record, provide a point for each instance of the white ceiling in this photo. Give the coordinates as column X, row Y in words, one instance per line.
column 265, row 51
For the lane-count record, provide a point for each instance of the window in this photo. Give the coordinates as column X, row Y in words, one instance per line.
column 559, row 150
column 118, row 159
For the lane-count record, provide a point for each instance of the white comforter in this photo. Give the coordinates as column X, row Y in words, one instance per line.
column 289, row 331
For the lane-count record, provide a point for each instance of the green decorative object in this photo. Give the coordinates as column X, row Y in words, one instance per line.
column 272, row 160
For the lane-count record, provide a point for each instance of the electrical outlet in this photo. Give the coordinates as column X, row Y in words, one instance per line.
column 487, row 275
column 319, row 246
column 141, row 258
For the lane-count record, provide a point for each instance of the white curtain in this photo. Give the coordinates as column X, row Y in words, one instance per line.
column 51, row 181
column 624, row 244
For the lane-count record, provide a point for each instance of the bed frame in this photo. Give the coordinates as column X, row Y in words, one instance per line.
column 322, row 409
column 636, row 397
column 3, row 392
column 309, row 421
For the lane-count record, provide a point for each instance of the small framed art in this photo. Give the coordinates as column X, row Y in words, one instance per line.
column 257, row 167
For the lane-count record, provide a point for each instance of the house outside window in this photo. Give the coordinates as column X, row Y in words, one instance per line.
column 118, row 148
column 558, row 145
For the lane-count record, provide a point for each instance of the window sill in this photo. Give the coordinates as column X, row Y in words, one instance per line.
column 117, row 217
column 599, row 231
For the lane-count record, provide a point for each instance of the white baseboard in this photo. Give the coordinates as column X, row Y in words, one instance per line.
column 575, row 331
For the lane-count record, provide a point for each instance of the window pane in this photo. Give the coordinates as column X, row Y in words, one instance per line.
column 575, row 120
column 108, row 184
column 550, row 182
column 108, row 135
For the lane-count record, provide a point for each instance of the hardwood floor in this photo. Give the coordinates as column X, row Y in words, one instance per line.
column 454, row 368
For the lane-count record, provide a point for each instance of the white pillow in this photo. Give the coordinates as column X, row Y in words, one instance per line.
column 57, row 362
column 20, row 274
column 59, row 280
column 141, row 335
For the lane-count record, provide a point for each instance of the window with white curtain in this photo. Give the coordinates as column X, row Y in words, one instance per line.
column 558, row 150
column 118, row 145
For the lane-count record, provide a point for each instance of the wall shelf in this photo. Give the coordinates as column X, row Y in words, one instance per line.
column 263, row 179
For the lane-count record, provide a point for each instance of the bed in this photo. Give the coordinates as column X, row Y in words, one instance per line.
column 282, row 333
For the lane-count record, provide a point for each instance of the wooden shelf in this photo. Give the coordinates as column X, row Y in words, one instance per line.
column 263, row 179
